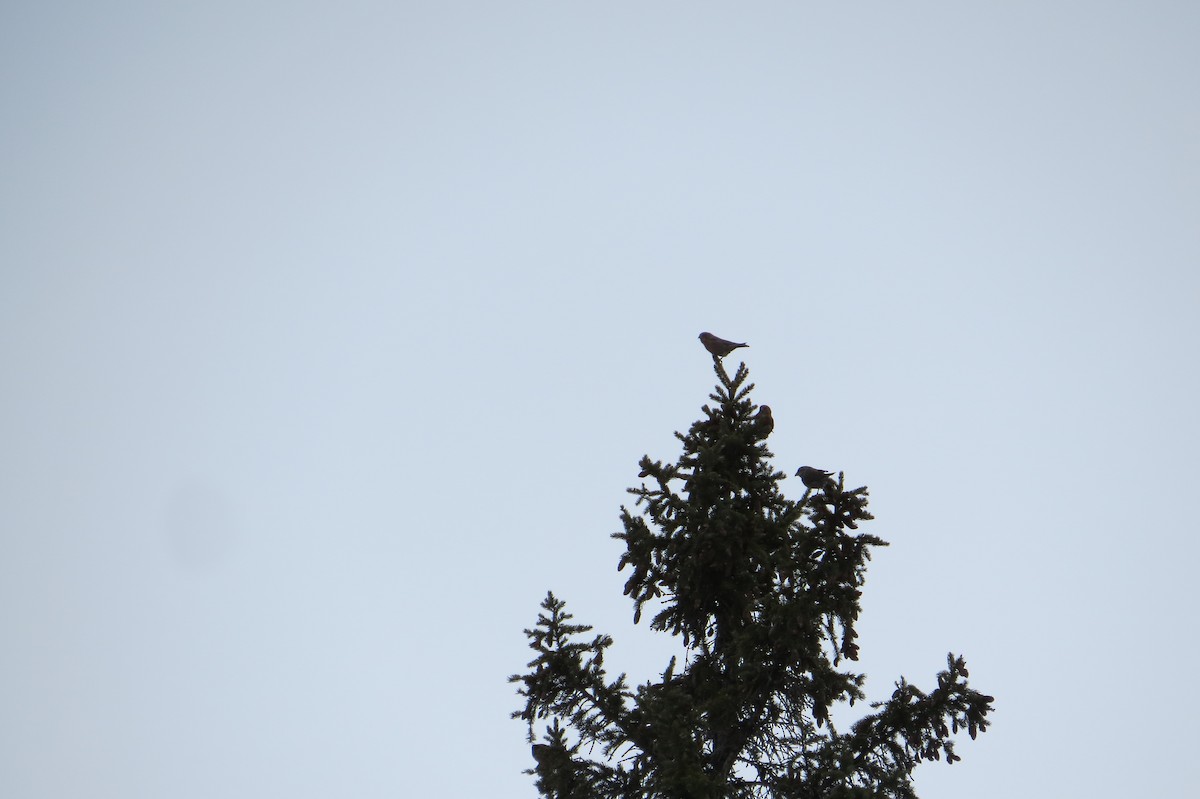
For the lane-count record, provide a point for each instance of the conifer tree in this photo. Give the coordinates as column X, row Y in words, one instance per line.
column 762, row 593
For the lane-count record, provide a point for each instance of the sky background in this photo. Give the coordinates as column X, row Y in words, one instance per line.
column 331, row 336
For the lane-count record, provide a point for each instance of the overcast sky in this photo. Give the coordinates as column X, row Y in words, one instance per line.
column 331, row 336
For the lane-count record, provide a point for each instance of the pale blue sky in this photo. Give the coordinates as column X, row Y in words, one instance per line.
column 331, row 335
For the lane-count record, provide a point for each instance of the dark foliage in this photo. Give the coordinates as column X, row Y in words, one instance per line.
column 763, row 593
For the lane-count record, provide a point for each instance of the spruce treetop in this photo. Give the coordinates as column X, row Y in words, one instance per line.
column 763, row 593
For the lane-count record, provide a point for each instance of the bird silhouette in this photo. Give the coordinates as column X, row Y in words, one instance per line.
column 763, row 421
column 718, row 346
column 815, row 478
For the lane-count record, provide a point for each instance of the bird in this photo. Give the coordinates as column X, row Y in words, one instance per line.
column 719, row 347
column 763, row 421
column 555, row 770
column 815, row 478
column 551, row 758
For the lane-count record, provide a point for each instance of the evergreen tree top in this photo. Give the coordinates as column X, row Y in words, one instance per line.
column 763, row 593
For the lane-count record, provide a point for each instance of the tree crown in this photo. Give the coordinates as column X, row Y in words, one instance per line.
column 763, row 593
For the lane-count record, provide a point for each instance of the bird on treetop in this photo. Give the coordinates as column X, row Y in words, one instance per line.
column 718, row 346
column 763, row 421
column 815, row 478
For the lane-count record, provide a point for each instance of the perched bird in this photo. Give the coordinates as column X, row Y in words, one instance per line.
column 551, row 758
column 556, row 771
column 815, row 478
column 719, row 347
column 763, row 421
column 542, row 753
